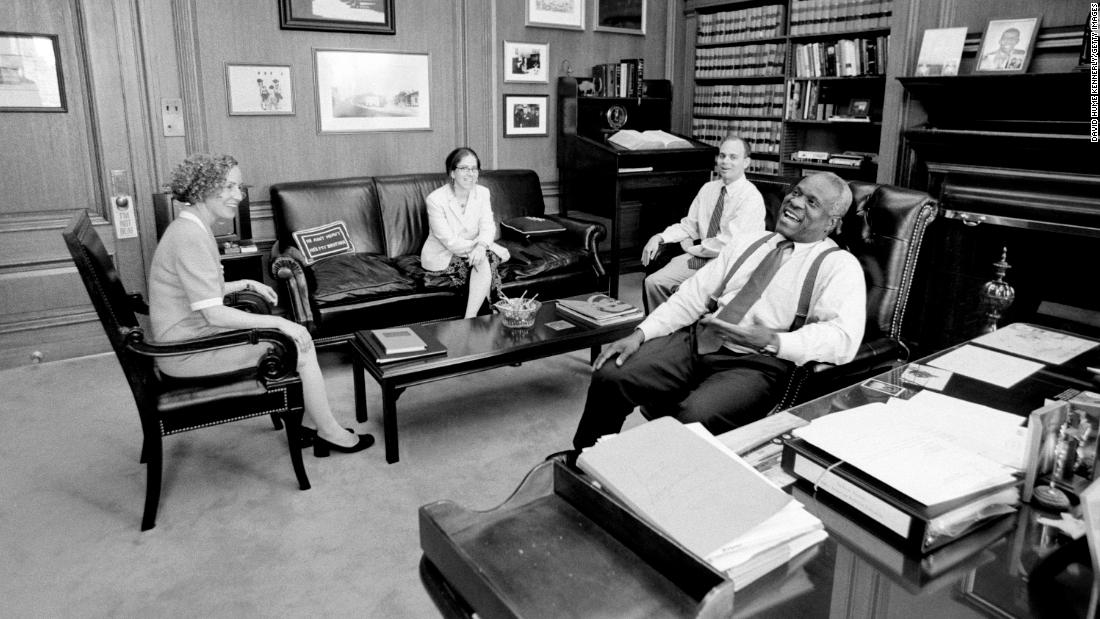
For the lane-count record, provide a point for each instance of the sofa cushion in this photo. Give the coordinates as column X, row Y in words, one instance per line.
column 351, row 277
column 538, row 257
column 323, row 241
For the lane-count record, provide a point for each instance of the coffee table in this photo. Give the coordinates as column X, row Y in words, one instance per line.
column 473, row 345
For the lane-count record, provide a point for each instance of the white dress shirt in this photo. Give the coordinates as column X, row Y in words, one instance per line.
column 743, row 212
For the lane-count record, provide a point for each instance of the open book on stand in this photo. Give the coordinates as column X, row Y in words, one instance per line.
column 653, row 139
column 703, row 496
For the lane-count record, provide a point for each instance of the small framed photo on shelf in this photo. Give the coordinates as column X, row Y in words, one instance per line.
column 526, row 62
column 1007, row 45
column 566, row 14
column 623, row 16
column 859, row 108
column 940, row 51
column 30, row 73
column 526, row 115
column 258, row 90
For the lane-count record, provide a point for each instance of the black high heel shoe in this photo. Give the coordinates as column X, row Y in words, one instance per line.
column 321, row 447
column 306, row 436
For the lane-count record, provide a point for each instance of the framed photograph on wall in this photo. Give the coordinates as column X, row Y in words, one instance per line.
column 337, row 16
column 567, row 14
column 624, row 16
column 526, row 62
column 258, row 90
column 941, row 50
column 1007, row 45
column 362, row 90
column 30, row 73
column 526, row 115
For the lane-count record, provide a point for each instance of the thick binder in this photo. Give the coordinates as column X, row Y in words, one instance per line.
column 890, row 513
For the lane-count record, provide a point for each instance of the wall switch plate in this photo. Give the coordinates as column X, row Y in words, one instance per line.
column 171, row 116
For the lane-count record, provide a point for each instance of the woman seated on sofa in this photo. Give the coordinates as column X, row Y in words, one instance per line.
column 462, row 243
column 186, row 288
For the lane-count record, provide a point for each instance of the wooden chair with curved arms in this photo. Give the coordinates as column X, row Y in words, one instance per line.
column 169, row 405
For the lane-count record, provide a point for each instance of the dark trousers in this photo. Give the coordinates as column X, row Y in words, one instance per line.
column 723, row 390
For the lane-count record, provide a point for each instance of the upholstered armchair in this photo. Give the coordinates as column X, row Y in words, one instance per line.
column 169, row 405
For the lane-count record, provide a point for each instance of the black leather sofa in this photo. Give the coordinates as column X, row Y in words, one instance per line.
column 382, row 283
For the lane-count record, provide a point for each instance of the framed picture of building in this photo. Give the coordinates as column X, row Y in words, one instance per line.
column 258, row 90
column 363, row 90
column 623, row 16
column 369, row 16
column 30, row 73
column 567, row 14
column 526, row 115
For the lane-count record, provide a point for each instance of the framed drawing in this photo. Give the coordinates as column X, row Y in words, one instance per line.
column 30, row 73
column 567, row 14
column 526, row 115
column 258, row 90
column 940, row 51
column 362, row 90
column 625, row 16
column 526, row 62
column 1007, row 45
column 374, row 17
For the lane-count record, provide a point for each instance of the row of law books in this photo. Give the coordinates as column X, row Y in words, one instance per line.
column 762, row 136
column 842, row 58
column 759, row 22
column 824, row 16
column 597, row 310
column 739, row 100
column 756, row 60
column 620, row 79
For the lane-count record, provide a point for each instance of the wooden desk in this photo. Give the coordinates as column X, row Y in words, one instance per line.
column 853, row 573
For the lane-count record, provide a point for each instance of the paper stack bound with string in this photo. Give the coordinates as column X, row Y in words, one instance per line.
column 705, row 497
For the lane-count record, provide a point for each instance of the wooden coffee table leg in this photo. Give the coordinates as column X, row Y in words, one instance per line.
column 595, row 353
column 360, row 389
column 389, row 421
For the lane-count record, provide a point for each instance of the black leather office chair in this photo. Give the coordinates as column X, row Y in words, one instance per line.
column 169, row 405
column 884, row 229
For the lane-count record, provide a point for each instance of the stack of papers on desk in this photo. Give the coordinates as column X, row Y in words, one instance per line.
column 928, row 469
column 703, row 496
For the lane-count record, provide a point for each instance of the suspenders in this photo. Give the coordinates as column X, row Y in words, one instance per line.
column 803, row 311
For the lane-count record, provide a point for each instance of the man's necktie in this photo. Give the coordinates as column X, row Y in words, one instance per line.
column 707, row 339
column 715, row 225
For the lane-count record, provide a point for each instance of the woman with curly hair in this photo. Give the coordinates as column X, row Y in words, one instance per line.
column 186, row 288
column 462, row 243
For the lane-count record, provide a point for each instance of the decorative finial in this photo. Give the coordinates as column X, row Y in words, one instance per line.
column 997, row 295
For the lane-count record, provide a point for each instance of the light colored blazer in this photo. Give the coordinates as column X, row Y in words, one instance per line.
column 456, row 231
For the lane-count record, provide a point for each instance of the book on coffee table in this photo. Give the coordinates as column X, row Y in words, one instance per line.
column 374, row 344
column 597, row 310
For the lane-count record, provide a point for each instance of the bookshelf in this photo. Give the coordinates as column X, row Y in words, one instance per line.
column 796, row 78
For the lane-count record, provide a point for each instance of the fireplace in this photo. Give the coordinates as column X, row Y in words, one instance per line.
column 1007, row 178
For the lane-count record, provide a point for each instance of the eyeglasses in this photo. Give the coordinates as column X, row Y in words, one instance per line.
column 468, row 168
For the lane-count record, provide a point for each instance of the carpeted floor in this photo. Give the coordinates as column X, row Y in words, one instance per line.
column 234, row 536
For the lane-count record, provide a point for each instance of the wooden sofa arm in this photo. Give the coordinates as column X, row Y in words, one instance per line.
column 588, row 234
column 286, row 267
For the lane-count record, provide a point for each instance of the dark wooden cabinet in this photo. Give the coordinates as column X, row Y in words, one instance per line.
column 635, row 193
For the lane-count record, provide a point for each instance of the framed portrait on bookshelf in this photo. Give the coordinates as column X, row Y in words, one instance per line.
column 526, row 115
column 567, row 14
column 1007, row 45
column 940, row 51
column 362, row 90
column 258, row 90
column 369, row 17
column 623, row 16
column 859, row 108
column 30, row 73
column 526, row 62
